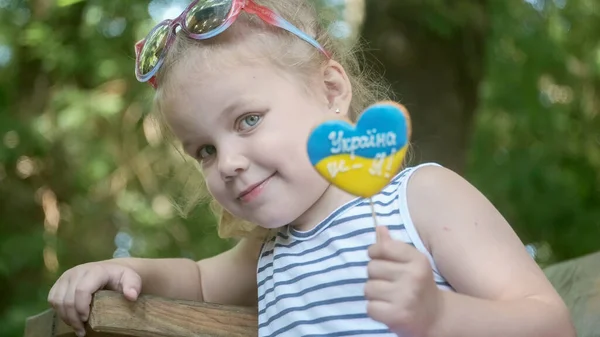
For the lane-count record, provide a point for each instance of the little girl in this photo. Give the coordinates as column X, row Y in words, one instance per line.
column 241, row 85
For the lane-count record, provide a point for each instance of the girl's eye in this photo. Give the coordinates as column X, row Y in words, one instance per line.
column 205, row 152
column 249, row 121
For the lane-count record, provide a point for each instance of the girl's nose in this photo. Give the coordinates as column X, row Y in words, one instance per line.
column 232, row 164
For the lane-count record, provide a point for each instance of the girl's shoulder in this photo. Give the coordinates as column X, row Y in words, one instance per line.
column 429, row 192
column 398, row 185
column 432, row 199
column 431, row 189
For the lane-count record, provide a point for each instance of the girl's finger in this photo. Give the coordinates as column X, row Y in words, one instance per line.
column 383, row 234
column 385, row 270
column 131, row 283
column 393, row 250
column 381, row 311
column 94, row 280
column 57, row 297
column 378, row 290
column 70, row 311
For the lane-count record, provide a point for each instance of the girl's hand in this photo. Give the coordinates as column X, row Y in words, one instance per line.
column 72, row 294
column 400, row 289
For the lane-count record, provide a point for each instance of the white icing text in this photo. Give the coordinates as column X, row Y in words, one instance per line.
column 379, row 166
column 339, row 144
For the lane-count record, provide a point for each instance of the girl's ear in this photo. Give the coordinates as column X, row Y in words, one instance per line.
column 337, row 88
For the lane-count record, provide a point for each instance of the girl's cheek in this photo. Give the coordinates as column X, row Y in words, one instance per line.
column 211, row 183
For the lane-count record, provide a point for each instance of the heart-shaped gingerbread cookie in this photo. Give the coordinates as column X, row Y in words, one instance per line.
column 361, row 159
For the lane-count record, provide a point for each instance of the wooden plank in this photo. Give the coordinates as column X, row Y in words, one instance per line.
column 578, row 283
column 112, row 315
column 159, row 317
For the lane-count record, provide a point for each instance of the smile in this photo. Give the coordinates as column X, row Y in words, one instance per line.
column 254, row 191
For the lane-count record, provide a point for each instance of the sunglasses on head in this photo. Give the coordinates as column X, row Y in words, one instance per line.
column 201, row 20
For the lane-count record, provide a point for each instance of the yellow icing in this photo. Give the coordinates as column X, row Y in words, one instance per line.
column 361, row 176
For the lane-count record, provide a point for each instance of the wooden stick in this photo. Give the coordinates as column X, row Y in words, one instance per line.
column 374, row 215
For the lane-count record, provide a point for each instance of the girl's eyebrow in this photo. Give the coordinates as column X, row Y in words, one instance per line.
column 237, row 103
column 233, row 106
column 186, row 144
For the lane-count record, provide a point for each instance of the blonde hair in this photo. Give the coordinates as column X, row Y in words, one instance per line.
column 290, row 53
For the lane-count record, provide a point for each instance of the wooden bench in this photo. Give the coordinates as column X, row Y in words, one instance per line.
column 577, row 281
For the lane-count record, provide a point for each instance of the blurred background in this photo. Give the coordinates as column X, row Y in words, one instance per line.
column 505, row 92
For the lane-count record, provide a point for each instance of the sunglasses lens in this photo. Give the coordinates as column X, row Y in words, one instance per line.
column 153, row 49
column 207, row 15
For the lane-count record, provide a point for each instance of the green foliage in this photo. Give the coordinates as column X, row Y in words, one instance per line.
column 536, row 146
column 82, row 171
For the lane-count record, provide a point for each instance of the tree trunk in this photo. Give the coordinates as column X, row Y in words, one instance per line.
column 433, row 57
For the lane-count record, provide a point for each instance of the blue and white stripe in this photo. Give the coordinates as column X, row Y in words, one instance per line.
column 312, row 283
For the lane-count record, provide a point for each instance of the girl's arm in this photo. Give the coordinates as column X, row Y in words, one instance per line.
column 230, row 278
column 501, row 291
column 227, row 278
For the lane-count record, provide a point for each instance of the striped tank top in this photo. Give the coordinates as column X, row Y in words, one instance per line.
column 312, row 283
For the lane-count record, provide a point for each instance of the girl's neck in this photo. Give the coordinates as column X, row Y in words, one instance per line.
column 329, row 201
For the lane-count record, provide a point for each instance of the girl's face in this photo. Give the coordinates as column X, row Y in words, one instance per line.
column 248, row 126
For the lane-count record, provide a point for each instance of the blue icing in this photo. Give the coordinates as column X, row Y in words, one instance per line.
column 390, row 135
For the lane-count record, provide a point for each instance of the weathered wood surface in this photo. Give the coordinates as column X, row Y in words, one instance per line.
column 149, row 316
column 578, row 283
